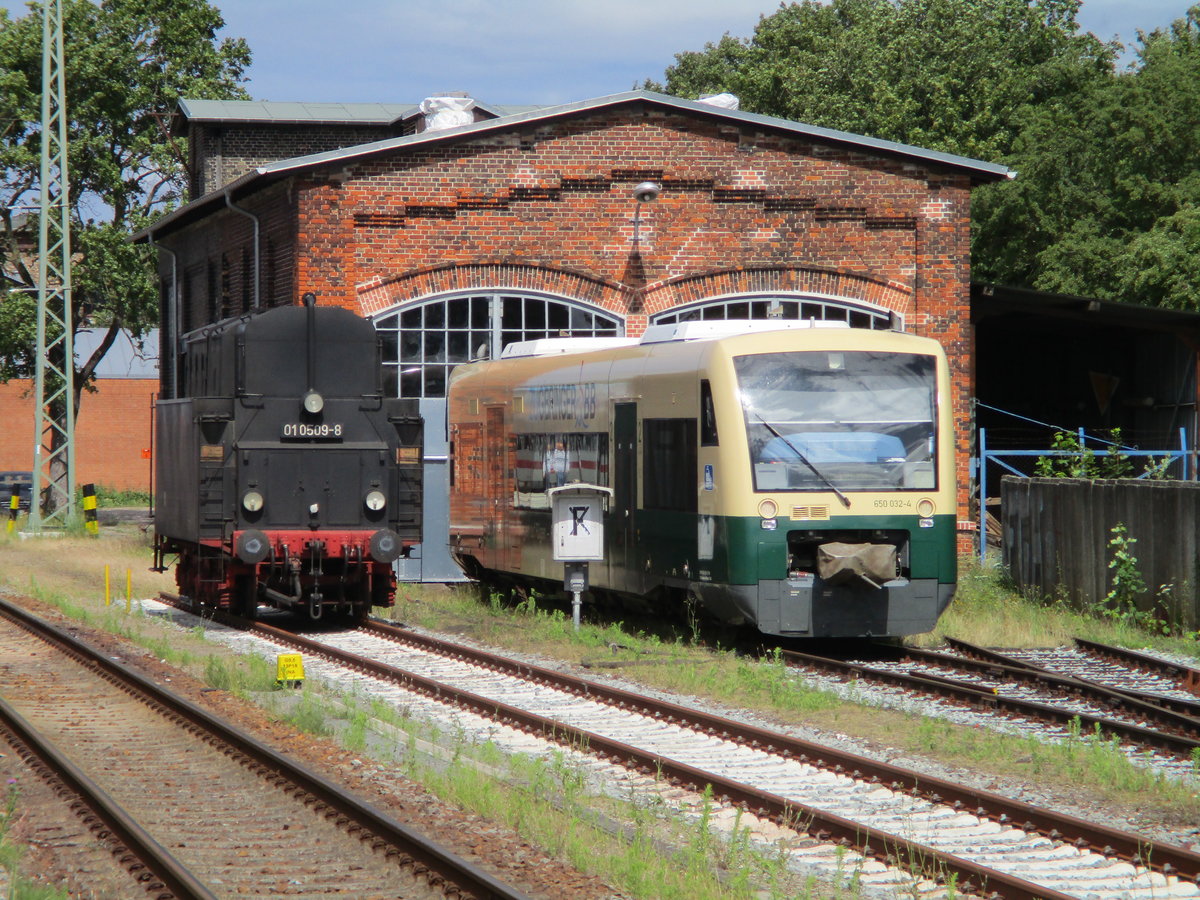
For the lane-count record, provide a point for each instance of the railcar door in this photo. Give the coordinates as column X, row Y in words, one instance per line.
column 498, row 492
column 622, row 531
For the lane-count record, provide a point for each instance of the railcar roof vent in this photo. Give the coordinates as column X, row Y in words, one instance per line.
column 553, row 346
column 719, row 328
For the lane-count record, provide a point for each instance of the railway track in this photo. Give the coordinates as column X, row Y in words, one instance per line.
column 1013, row 684
column 192, row 807
column 889, row 817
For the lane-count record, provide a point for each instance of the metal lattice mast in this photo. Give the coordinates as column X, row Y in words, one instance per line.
column 54, row 437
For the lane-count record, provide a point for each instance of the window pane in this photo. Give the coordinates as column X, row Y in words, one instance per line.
column 435, row 346
column 410, row 346
column 435, row 315
column 410, row 382
column 435, row 381
column 411, row 318
column 458, row 310
column 481, row 312
column 481, row 344
column 510, row 317
column 535, row 313
column 459, row 346
column 388, row 341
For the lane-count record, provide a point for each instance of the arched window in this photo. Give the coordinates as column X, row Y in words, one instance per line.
column 782, row 306
column 424, row 340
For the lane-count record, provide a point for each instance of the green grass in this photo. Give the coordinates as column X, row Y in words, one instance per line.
column 987, row 611
column 12, row 852
column 635, row 843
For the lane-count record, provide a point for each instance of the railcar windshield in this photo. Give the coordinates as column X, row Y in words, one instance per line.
column 853, row 420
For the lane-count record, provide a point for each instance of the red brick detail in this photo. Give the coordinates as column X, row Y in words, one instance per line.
column 778, row 279
column 111, row 432
column 379, row 294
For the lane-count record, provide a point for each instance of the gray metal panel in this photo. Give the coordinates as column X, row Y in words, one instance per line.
column 431, row 560
column 277, row 112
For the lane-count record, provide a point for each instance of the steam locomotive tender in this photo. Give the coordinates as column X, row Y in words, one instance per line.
column 283, row 475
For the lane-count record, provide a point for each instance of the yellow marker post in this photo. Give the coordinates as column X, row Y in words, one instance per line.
column 90, row 524
column 128, row 589
column 14, row 507
column 107, row 588
column 289, row 669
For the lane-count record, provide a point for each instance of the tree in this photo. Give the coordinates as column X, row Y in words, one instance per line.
column 127, row 62
column 1001, row 80
column 1117, row 183
column 940, row 74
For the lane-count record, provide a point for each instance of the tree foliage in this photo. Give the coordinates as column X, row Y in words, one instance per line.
column 1105, row 202
column 127, row 62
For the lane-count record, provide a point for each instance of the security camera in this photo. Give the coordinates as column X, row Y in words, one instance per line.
column 647, row 192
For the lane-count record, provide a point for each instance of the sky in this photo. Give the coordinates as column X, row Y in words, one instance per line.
column 539, row 52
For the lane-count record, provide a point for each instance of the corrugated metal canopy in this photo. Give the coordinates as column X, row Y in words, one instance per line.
column 273, row 112
column 280, row 113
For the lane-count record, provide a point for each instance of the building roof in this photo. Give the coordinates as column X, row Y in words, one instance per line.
column 272, row 112
column 978, row 170
column 990, row 300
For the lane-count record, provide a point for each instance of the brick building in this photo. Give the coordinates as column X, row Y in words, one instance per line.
column 113, row 428
column 521, row 223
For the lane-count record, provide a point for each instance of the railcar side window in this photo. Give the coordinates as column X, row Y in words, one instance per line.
column 708, row 416
column 546, row 460
column 863, row 420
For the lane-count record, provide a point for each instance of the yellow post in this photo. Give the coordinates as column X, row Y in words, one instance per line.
column 107, row 588
column 90, row 524
column 14, row 507
column 128, row 589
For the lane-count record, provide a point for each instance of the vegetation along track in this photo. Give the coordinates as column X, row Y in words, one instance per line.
column 195, row 808
column 1079, row 692
column 984, row 842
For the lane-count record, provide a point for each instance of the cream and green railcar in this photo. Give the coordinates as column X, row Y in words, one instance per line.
column 796, row 478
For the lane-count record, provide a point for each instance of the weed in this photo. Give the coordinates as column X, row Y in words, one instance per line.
column 309, row 715
column 355, row 736
column 11, row 853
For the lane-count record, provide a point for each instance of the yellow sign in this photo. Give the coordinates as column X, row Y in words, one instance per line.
column 289, row 667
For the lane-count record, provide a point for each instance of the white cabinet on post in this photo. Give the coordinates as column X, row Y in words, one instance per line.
column 577, row 534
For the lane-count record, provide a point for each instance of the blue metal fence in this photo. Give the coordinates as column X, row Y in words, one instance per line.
column 1106, row 448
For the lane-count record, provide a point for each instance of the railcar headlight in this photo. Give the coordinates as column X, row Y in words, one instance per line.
column 313, row 402
column 768, row 508
column 252, row 501
column 925, row 508
column 375, row 501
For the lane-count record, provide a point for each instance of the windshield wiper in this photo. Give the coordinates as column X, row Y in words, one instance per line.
column 804, row 459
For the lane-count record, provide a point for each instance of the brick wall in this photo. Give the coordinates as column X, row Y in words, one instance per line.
column 547, row 206
column 222, row 154
column 111, row 431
